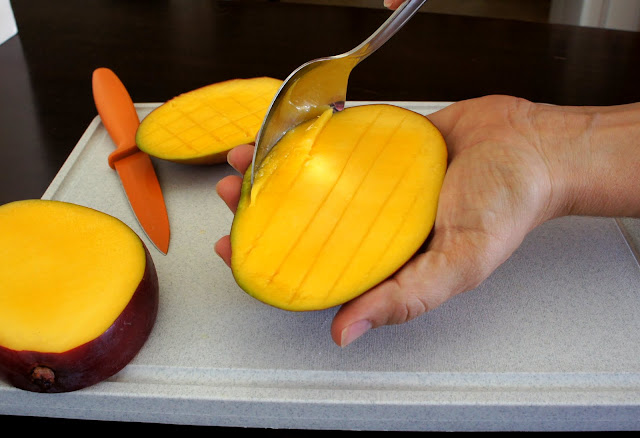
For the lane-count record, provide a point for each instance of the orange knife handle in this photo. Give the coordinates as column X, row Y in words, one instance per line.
column 121, row 152
column 117, row 112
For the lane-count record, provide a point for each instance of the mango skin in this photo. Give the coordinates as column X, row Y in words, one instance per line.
column 281, row 263
column 96, row 360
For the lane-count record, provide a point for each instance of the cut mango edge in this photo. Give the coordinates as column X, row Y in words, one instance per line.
column 312, row 129
column 199, row 127
column 328, row 238
column 68, row 272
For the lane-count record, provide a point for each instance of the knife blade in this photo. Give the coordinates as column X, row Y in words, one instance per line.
column 134, row 167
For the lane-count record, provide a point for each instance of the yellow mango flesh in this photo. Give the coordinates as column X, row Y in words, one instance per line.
column 67, row 273
column 200, row 126
column 338, row 205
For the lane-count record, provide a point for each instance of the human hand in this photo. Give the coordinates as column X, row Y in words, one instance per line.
column 393, row 4
column 512, row 167
column 228, row 188
column 497, row 189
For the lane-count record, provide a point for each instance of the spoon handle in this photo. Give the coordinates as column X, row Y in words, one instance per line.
column 387, row 30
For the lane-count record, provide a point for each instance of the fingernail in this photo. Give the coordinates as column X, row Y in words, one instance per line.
column 387, row 3
column 354, row 331
column 230, row 161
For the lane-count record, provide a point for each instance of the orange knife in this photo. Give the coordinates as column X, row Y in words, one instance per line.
column 134, row 167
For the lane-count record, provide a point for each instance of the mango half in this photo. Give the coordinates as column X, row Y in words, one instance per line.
column 201, row 126
column 338, row 205
column 78, row 297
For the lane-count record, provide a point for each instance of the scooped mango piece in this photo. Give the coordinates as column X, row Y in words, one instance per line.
column 78, row 297
column 338, row 205
column 201, row 126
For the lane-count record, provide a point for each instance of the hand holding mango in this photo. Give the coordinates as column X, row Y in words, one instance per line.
column 393, row 4
column 513, row 165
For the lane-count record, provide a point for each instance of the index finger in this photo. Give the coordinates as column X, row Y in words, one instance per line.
column 240, row 157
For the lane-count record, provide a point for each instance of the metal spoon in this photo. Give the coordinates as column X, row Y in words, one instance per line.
column 321, row 84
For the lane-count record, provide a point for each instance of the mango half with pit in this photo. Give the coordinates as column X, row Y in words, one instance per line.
column 78, row 297
column 338, row 205
column 201, row 126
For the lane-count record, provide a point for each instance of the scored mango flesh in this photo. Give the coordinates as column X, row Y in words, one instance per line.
column 338, row 205
column 201, row 126
column 67, row 273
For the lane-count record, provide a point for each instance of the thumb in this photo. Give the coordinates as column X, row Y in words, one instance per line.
column 448, row 268
column 392, row 4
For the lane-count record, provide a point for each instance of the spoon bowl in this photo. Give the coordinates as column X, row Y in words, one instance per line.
column 321, row 84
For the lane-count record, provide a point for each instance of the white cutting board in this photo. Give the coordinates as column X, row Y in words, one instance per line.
column 550, row 341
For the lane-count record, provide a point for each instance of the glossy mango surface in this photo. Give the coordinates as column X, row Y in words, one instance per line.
column 201, row 126
column 338, row 205
column 67, row 272
column 78, row 298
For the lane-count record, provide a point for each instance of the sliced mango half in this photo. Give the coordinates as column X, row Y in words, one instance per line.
column 338, row 205
column 201, row 126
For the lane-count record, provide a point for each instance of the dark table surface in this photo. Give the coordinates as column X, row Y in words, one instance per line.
column 163, row 48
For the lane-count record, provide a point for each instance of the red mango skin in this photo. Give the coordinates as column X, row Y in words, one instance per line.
column 95, row 360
